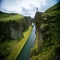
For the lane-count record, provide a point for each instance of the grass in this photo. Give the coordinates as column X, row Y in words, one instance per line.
column 14, row 46
column 11, row 16
column 52, row 13
column 14, row 17
column 44, row 55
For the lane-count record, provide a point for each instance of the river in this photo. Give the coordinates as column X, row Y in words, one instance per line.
column 25, row 53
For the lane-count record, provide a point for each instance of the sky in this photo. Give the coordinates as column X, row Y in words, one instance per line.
column 26, row 7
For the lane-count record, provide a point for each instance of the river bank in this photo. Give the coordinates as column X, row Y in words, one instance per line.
column 14, row 47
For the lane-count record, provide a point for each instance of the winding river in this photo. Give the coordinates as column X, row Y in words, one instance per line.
column 25, row 53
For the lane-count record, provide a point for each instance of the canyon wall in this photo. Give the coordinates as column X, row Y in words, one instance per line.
column 13, row 29
column 47, row 44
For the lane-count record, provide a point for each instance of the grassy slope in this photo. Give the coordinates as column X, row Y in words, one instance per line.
column 11, row 16
column 15, row 46
column 53, row 11
column 51, row 46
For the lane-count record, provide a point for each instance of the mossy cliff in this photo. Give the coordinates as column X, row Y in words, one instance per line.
column 13, row 29
column 47, row 44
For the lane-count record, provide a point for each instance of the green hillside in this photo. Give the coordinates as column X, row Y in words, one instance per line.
column 10, row 16
column 53, row 11
column 50, row 29
column 55, row 7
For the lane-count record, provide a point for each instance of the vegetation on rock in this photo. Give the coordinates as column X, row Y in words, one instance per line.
column 48, row 31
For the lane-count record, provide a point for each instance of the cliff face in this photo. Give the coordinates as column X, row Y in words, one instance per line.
column 47, row 43
column 13, row 29
column 39, row 28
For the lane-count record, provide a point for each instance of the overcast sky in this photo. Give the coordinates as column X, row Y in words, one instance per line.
column 25, row 7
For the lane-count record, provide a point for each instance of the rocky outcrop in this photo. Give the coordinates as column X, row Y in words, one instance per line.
column 39, row 28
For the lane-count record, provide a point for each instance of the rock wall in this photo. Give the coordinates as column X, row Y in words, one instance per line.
column 39, row 28
column 48, row 35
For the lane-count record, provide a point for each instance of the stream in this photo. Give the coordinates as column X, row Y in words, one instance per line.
column 25, row 53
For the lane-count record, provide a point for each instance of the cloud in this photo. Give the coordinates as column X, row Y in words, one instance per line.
column 26, row 7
